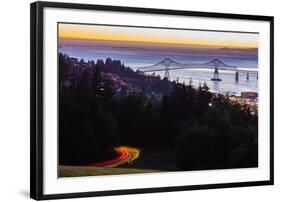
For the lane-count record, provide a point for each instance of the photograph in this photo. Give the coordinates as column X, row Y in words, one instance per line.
column 138, row 100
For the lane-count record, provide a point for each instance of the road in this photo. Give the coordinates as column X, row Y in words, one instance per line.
column 126, row 155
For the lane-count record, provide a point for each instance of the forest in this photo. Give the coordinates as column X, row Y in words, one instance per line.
column 206, row 131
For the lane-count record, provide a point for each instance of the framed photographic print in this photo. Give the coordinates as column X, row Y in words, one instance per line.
column 135, row 100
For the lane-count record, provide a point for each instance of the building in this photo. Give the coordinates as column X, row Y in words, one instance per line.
column 249, row 95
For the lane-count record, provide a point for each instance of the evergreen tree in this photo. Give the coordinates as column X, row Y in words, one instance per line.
column 84, row 85
column 96, row 81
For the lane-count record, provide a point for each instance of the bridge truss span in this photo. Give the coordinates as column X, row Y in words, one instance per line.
column 216, row 64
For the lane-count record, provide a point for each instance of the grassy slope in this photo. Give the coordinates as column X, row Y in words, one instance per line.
column 151, row 160
column 154, row 158
column 76, row 171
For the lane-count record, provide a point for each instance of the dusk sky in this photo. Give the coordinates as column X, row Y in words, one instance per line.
column 203, row 39
column 139, row 46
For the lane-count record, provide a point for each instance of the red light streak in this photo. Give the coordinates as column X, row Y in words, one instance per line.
column 124, row 156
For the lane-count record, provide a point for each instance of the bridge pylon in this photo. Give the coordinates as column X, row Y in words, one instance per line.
column 247, row 76
column 236, row 76
column 167, row 74
column 216, row 75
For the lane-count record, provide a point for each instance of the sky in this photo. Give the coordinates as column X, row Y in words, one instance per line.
column 151, row 36
column 140, row 46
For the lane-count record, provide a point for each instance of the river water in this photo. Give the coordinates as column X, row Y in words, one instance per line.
column 135, row 58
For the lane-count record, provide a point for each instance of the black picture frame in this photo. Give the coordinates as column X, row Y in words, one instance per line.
column 37, row 99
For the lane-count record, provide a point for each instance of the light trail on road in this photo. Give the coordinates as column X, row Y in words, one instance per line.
column 126, row 155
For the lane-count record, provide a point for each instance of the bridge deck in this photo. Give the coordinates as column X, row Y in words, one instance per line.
column 212, row 68
column 169, row 64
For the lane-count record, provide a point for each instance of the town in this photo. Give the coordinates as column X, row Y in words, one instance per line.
column 127, row 81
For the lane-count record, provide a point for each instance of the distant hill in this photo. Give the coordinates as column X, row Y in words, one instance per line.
column 240, row 50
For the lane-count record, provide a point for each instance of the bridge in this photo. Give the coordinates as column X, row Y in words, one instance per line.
column 216, row 64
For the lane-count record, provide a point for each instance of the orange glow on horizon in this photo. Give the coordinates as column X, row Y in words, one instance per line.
column 72, row 31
